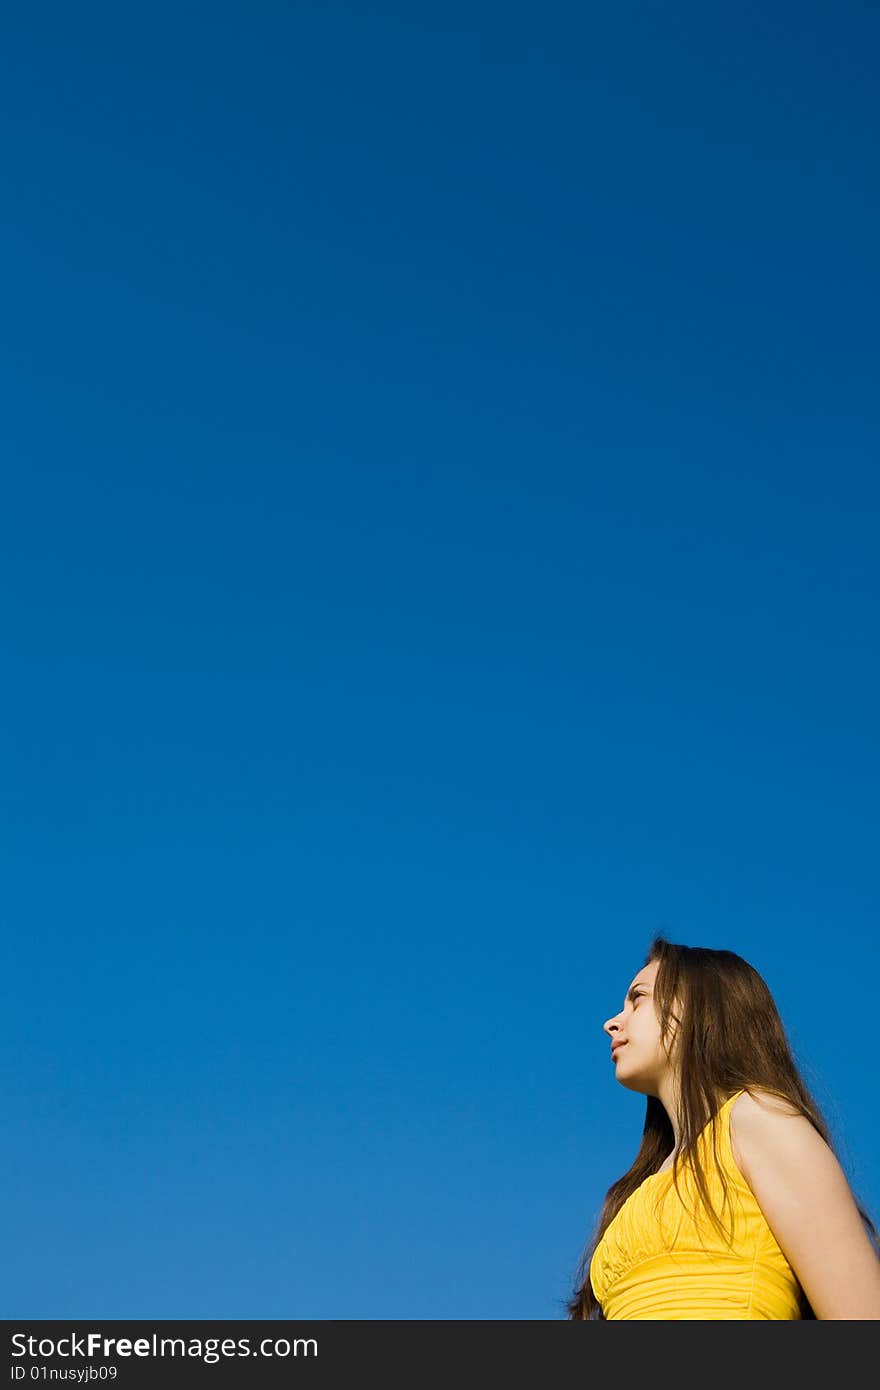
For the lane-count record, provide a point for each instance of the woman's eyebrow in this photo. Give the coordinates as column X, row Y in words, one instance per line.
column 632, row 990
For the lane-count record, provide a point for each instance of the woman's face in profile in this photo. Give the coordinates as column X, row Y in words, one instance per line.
column 640, row 1062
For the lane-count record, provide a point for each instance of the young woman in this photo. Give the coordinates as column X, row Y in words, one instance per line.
column 729, row 1127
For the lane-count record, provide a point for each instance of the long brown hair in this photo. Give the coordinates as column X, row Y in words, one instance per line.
column 728, row 1037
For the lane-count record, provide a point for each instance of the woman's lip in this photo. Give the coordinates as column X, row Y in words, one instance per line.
column 616, row 1048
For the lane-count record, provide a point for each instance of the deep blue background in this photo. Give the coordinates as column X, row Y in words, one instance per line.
column 439, row 548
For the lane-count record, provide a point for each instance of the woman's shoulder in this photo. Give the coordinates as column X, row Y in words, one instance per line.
column 754, row 1100
column 755, row 1114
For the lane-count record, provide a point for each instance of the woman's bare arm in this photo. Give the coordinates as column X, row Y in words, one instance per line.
column 807, row 1203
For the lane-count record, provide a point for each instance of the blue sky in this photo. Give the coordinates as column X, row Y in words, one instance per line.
column 439, row 541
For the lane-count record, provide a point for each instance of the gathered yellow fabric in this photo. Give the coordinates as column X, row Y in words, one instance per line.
column 661, row 1257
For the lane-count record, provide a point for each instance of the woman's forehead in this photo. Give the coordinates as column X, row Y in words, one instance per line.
column 645, row 976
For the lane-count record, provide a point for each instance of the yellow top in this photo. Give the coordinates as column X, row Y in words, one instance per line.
column 655, row 1261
